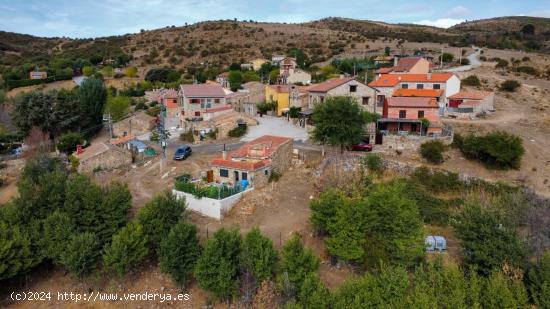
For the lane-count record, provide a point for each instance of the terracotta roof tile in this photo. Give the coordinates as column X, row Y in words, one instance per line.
column 203, row 90
column 390, row 80
column 472, row 95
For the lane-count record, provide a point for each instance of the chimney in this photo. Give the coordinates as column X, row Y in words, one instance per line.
column 224, row 155
column 429, row 75
column 395, row 61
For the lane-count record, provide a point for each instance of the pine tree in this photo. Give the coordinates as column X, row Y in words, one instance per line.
column 159, row 215
column 114, row 209
column 314, row 294
column 296, row 264
column 81, row 254
column 178, row 253
column 217, row 268
column 258, row 255
column 323, row 209
column 127, row 249
column 15, row 251
column 538, row 280
column 58, row 229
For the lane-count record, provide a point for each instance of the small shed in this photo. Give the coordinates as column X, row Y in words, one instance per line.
column 435, row 243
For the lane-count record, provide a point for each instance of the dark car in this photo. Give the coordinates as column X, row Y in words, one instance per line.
column 362, row 146
column 182, row 152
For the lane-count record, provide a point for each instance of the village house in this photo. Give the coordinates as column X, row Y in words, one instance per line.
column 223, row 80
column 254, row 161
column 257, row 63
column 275, row 59
column 246, row 100
column 437, row 94
column 202, row 102
column 38, row 75
column 387, row 84
column 411, row 65
column 470, row 103
column 102, row 156
column 169, row 98
column 406, row 114
column 298, row 96
column 279, row 94
column 344, row 86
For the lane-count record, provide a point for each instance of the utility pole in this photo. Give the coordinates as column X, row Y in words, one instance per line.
column 441, row 60
column 162, row 135
column 110, row 127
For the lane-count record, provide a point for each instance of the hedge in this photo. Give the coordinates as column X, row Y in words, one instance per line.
column 13, row 83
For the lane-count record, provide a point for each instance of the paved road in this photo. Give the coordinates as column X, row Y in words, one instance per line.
column 213, row 148
column 474, row 62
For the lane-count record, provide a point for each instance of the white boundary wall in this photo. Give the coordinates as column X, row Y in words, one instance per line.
column 211, row 207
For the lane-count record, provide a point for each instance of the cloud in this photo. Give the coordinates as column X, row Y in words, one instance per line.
column 458, row 12
column 440, row 23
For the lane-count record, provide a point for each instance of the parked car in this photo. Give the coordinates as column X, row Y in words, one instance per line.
column 362, row 146
column 182, row 152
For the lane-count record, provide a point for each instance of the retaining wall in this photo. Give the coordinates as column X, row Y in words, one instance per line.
column 212, row 208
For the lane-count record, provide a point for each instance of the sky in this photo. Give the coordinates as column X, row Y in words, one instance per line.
column 85, row 19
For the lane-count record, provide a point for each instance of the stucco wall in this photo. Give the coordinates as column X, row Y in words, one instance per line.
column 432, row 114
column 211, row 207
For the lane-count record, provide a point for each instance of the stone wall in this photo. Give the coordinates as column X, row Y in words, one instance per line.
column 112, row 158
column 282, row 158
column 409, row 143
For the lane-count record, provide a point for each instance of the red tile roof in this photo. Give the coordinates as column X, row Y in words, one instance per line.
column 406, row 64
column 254, row 154
column 280, row 88
column 203, row 90
column 384, row 70
column 430, row 93
column 218, row 109
column 122, row 139
column 390, row 80
column 412, row 102
column 330, row 84
column 472, row 95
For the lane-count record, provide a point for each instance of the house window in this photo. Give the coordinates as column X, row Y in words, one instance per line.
column 405, row 86
column 266, row 172
column 216, row 101
column 402, row 113
column 420, row 114
column 352, row 88
column 224, row 172
column 194, row 101
column 175, row 101
column 198, row 114
column 380, row 100
column 437, row 86
column 419, row 86
column 366, row 100
column 208, row 105
column 244, row 176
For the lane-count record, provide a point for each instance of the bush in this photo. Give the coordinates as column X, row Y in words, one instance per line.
column 465, row 61
column 274, row 176
column 436, row 181
column 238, row 131
column 68, row 142
column 498, row 150
column 374, row 163
column 471, row 80
column 187, row 136
column 509, row 85
column 527, row 70
column 433, row 151
column 80, row 254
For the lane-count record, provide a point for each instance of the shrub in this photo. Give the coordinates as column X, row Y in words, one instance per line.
column 433, row 151
column 527, row 70
column 509, row 85
column 81, row 253
column 187, row 136
column 374, row 163
column 498, row 150
column 274, row 176
column 471, row 80
column 436, row 181
column 68, row 142
column 501, row 63
column 465, row 61
column 238, row 131
column 294, row 112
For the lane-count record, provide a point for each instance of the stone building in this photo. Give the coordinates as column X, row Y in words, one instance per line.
column 102, row 156
column 344, row 86
column 254, row 162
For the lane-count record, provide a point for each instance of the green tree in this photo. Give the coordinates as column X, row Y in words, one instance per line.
column 486, row 240
column 92, row 96
column 113, row 210
column 314, row 294
column 296, row 264
column 235, row 80
column 258, row 255
column 107, row 71
column 502, row 292
column 301, row 58
column 217, row 268
column 393, row 226
column 15, row 251
column 159, row 215
column 128, row 248
column 323, row 209
column 250, row 76
column 347, row 231
column 81, row 254
column 538, row 281
column 178, row 253
column 273, row 75
column 117, row 107
column 67, row 142
column 432, row 151
column 58, row 230
column 338, row 122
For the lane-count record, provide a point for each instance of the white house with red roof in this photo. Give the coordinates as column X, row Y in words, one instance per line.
column 344, row 86
column 202, row 101
column 387, row 84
